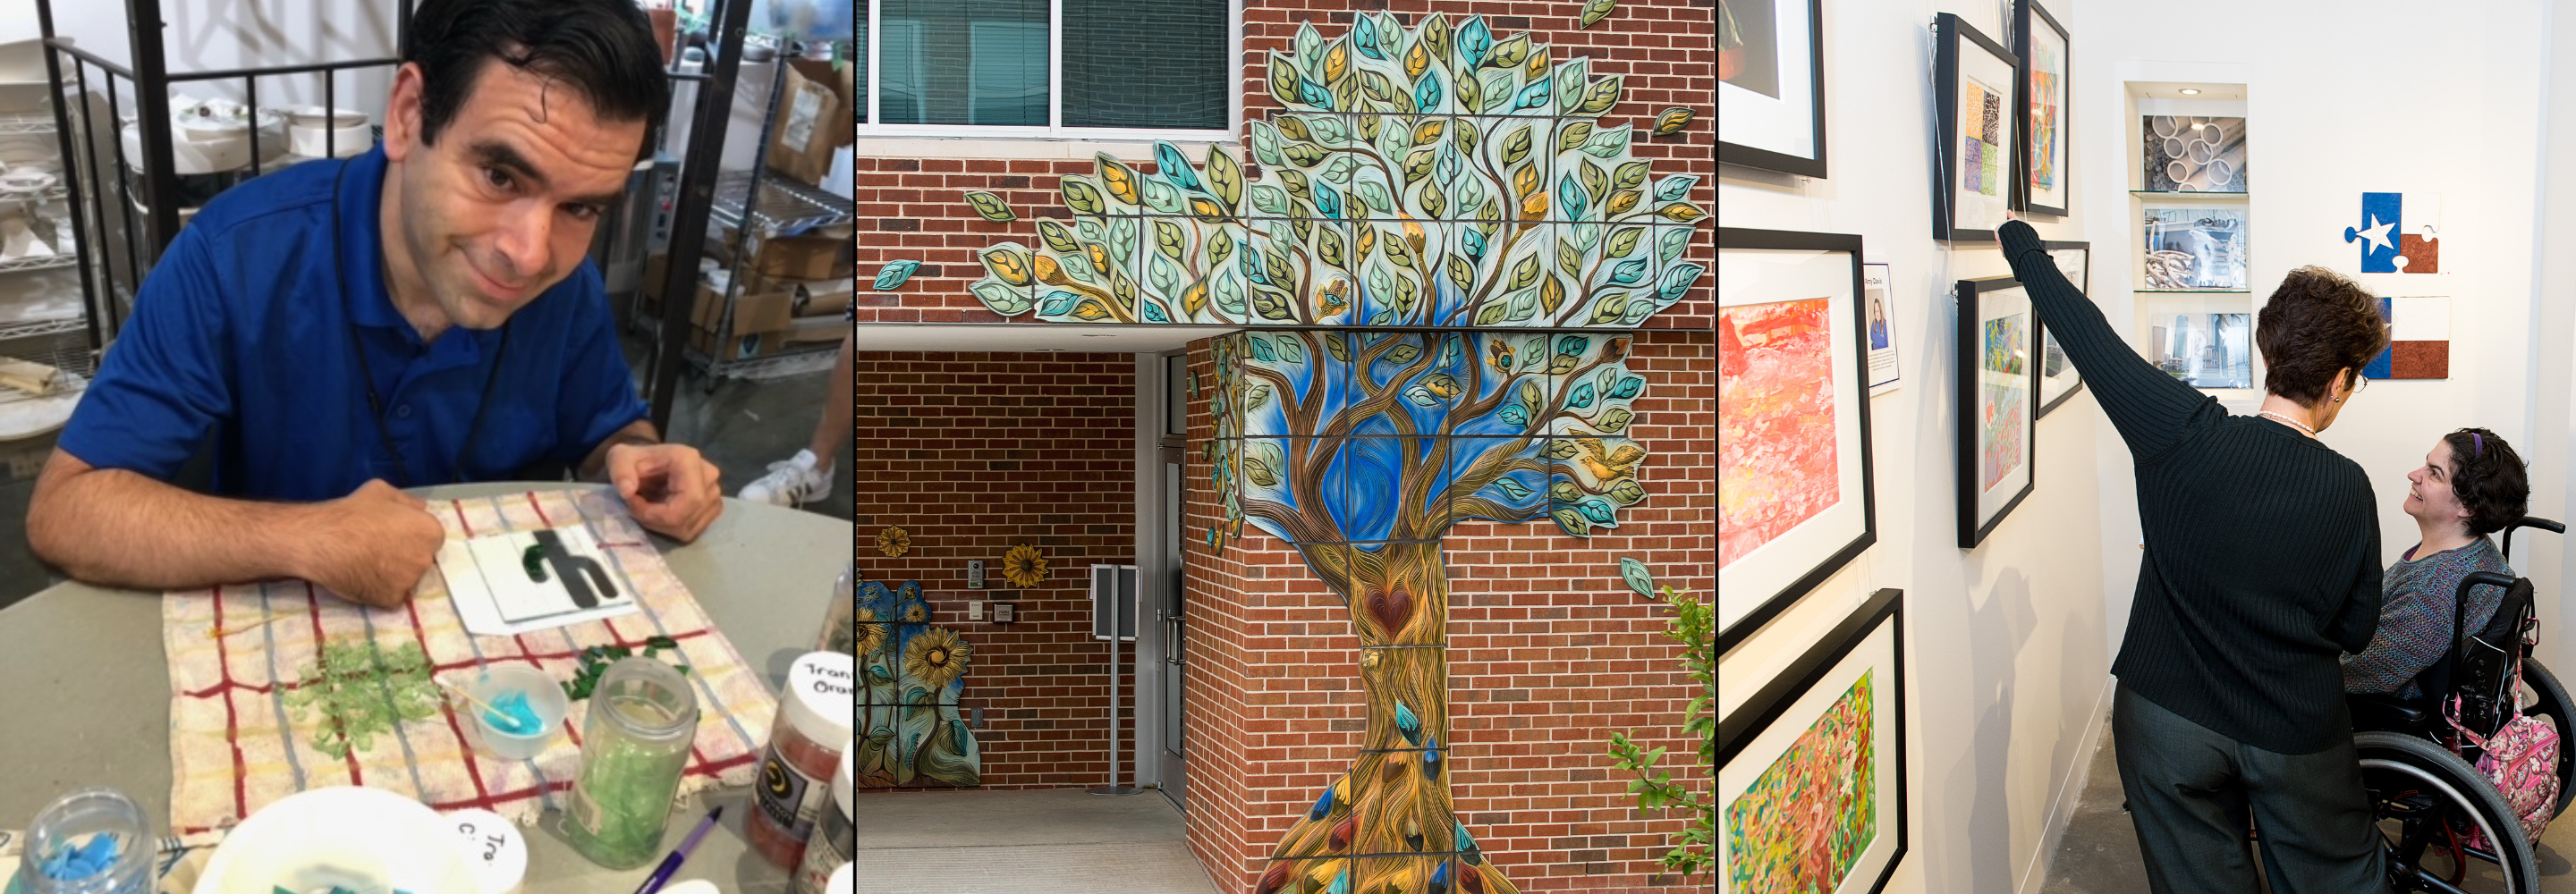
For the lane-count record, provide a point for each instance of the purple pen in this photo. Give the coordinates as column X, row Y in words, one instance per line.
column 671, row 864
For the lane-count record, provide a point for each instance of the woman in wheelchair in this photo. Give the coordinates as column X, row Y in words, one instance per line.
column 2470, row 485
column 2458, row 730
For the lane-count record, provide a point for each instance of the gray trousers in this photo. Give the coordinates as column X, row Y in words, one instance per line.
column 2191, row 791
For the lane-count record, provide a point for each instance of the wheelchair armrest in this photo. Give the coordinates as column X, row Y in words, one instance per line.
column 2388, row 712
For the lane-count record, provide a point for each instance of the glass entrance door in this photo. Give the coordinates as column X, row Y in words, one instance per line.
column 1175, row 655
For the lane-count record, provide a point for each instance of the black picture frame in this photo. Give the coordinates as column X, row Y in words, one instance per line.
column 1953, row 38
column 1772, row 160
column 2028, row 17
column 1882, row 610
column 1974, row 521
column 2047, row 338
column 1770, row 605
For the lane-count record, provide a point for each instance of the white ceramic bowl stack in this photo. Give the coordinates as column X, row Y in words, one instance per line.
column 315, row 132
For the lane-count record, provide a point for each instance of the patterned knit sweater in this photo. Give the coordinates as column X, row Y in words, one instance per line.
column 2415, row 616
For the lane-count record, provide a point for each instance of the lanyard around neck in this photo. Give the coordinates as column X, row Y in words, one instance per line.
column 375, row 401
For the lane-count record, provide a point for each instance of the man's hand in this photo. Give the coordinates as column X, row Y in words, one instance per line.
column 670, row 488
column 372, row 546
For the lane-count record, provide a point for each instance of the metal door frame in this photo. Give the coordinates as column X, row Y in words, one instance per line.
column 1154, row 566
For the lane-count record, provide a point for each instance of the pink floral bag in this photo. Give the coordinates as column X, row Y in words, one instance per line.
column 2521, row 759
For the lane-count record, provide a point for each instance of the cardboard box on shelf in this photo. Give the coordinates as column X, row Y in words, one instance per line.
column 808, row 126
column 703, row 341
column 764, row 311
column 822, row 256
column 818, row 330
column 648, row 290
column 823, row 297
column 760, row 344
column 767, row 311
column 708, row 308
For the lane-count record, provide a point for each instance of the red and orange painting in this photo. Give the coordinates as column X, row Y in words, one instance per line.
column 1776, row 461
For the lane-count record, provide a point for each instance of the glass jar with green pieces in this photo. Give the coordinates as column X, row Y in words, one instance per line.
column 635, row 743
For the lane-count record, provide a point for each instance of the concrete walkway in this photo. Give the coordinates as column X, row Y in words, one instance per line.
column 1062, row 841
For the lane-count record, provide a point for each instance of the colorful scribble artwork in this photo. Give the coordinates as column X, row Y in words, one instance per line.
column 1981, row 124
column 1805, row 821
column 1775, row 406
column 2044, row 96
column 2003, row 452
column 2006, row 344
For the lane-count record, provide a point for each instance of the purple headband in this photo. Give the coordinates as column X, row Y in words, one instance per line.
column 2481, row 442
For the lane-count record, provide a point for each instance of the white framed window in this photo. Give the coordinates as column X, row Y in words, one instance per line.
column 1052, row 69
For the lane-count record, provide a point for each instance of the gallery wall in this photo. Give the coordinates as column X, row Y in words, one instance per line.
column 2006, row 644
column 2009, row 645
column 2314, row 145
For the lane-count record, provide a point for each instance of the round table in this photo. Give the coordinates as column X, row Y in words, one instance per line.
column 762, row 573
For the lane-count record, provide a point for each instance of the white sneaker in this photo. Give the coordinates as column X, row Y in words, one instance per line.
column 793, row 482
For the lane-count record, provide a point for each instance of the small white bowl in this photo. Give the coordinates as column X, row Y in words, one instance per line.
column 545, row 697
column 356, row 838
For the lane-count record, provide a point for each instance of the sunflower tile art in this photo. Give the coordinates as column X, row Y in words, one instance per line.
column 894, row 542
column 914, row 673
column 1024, row 566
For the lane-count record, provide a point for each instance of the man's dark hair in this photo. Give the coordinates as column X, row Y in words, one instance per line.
column 602, row 50
column 2488, row 477
column 2316, row 324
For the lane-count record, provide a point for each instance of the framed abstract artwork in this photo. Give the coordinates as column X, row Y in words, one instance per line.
column 1811, row 769
column 1794, row 492
column 2058, row 378
column 1998, row 402
column 2041, row 43
column 1976, row 177
column 1771, row 85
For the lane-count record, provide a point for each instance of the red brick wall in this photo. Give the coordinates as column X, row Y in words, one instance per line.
column 1548, row 651
column 971, row 454
column 1666, row 49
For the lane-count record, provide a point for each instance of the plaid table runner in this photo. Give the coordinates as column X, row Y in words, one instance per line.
column 235, row 746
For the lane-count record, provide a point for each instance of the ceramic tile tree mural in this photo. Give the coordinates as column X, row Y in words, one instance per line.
column 1440, row 255
column 910, row 733
column 1425, row 178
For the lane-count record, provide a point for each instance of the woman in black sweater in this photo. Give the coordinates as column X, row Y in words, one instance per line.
column 2261, row 568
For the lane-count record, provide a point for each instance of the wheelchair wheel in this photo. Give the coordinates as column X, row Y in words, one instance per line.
column 2545, row 696
column 2428, row 802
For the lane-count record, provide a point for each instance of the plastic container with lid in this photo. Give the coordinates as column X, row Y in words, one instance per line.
column 536, row 706
column 643, row 716
column 91, row 822
column 495, row 852
column 840, row 631
column 836, row 831
column 806, row 742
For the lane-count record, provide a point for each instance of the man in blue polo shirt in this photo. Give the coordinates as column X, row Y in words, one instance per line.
column 418, row 315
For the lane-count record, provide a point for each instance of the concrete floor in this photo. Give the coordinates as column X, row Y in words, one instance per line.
column 988, row 842
column 742, row 427
column 2099, row 854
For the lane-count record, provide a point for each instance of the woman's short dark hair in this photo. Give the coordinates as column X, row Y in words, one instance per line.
column 2317, row 323
column 2488, row 478
column 602, row 50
